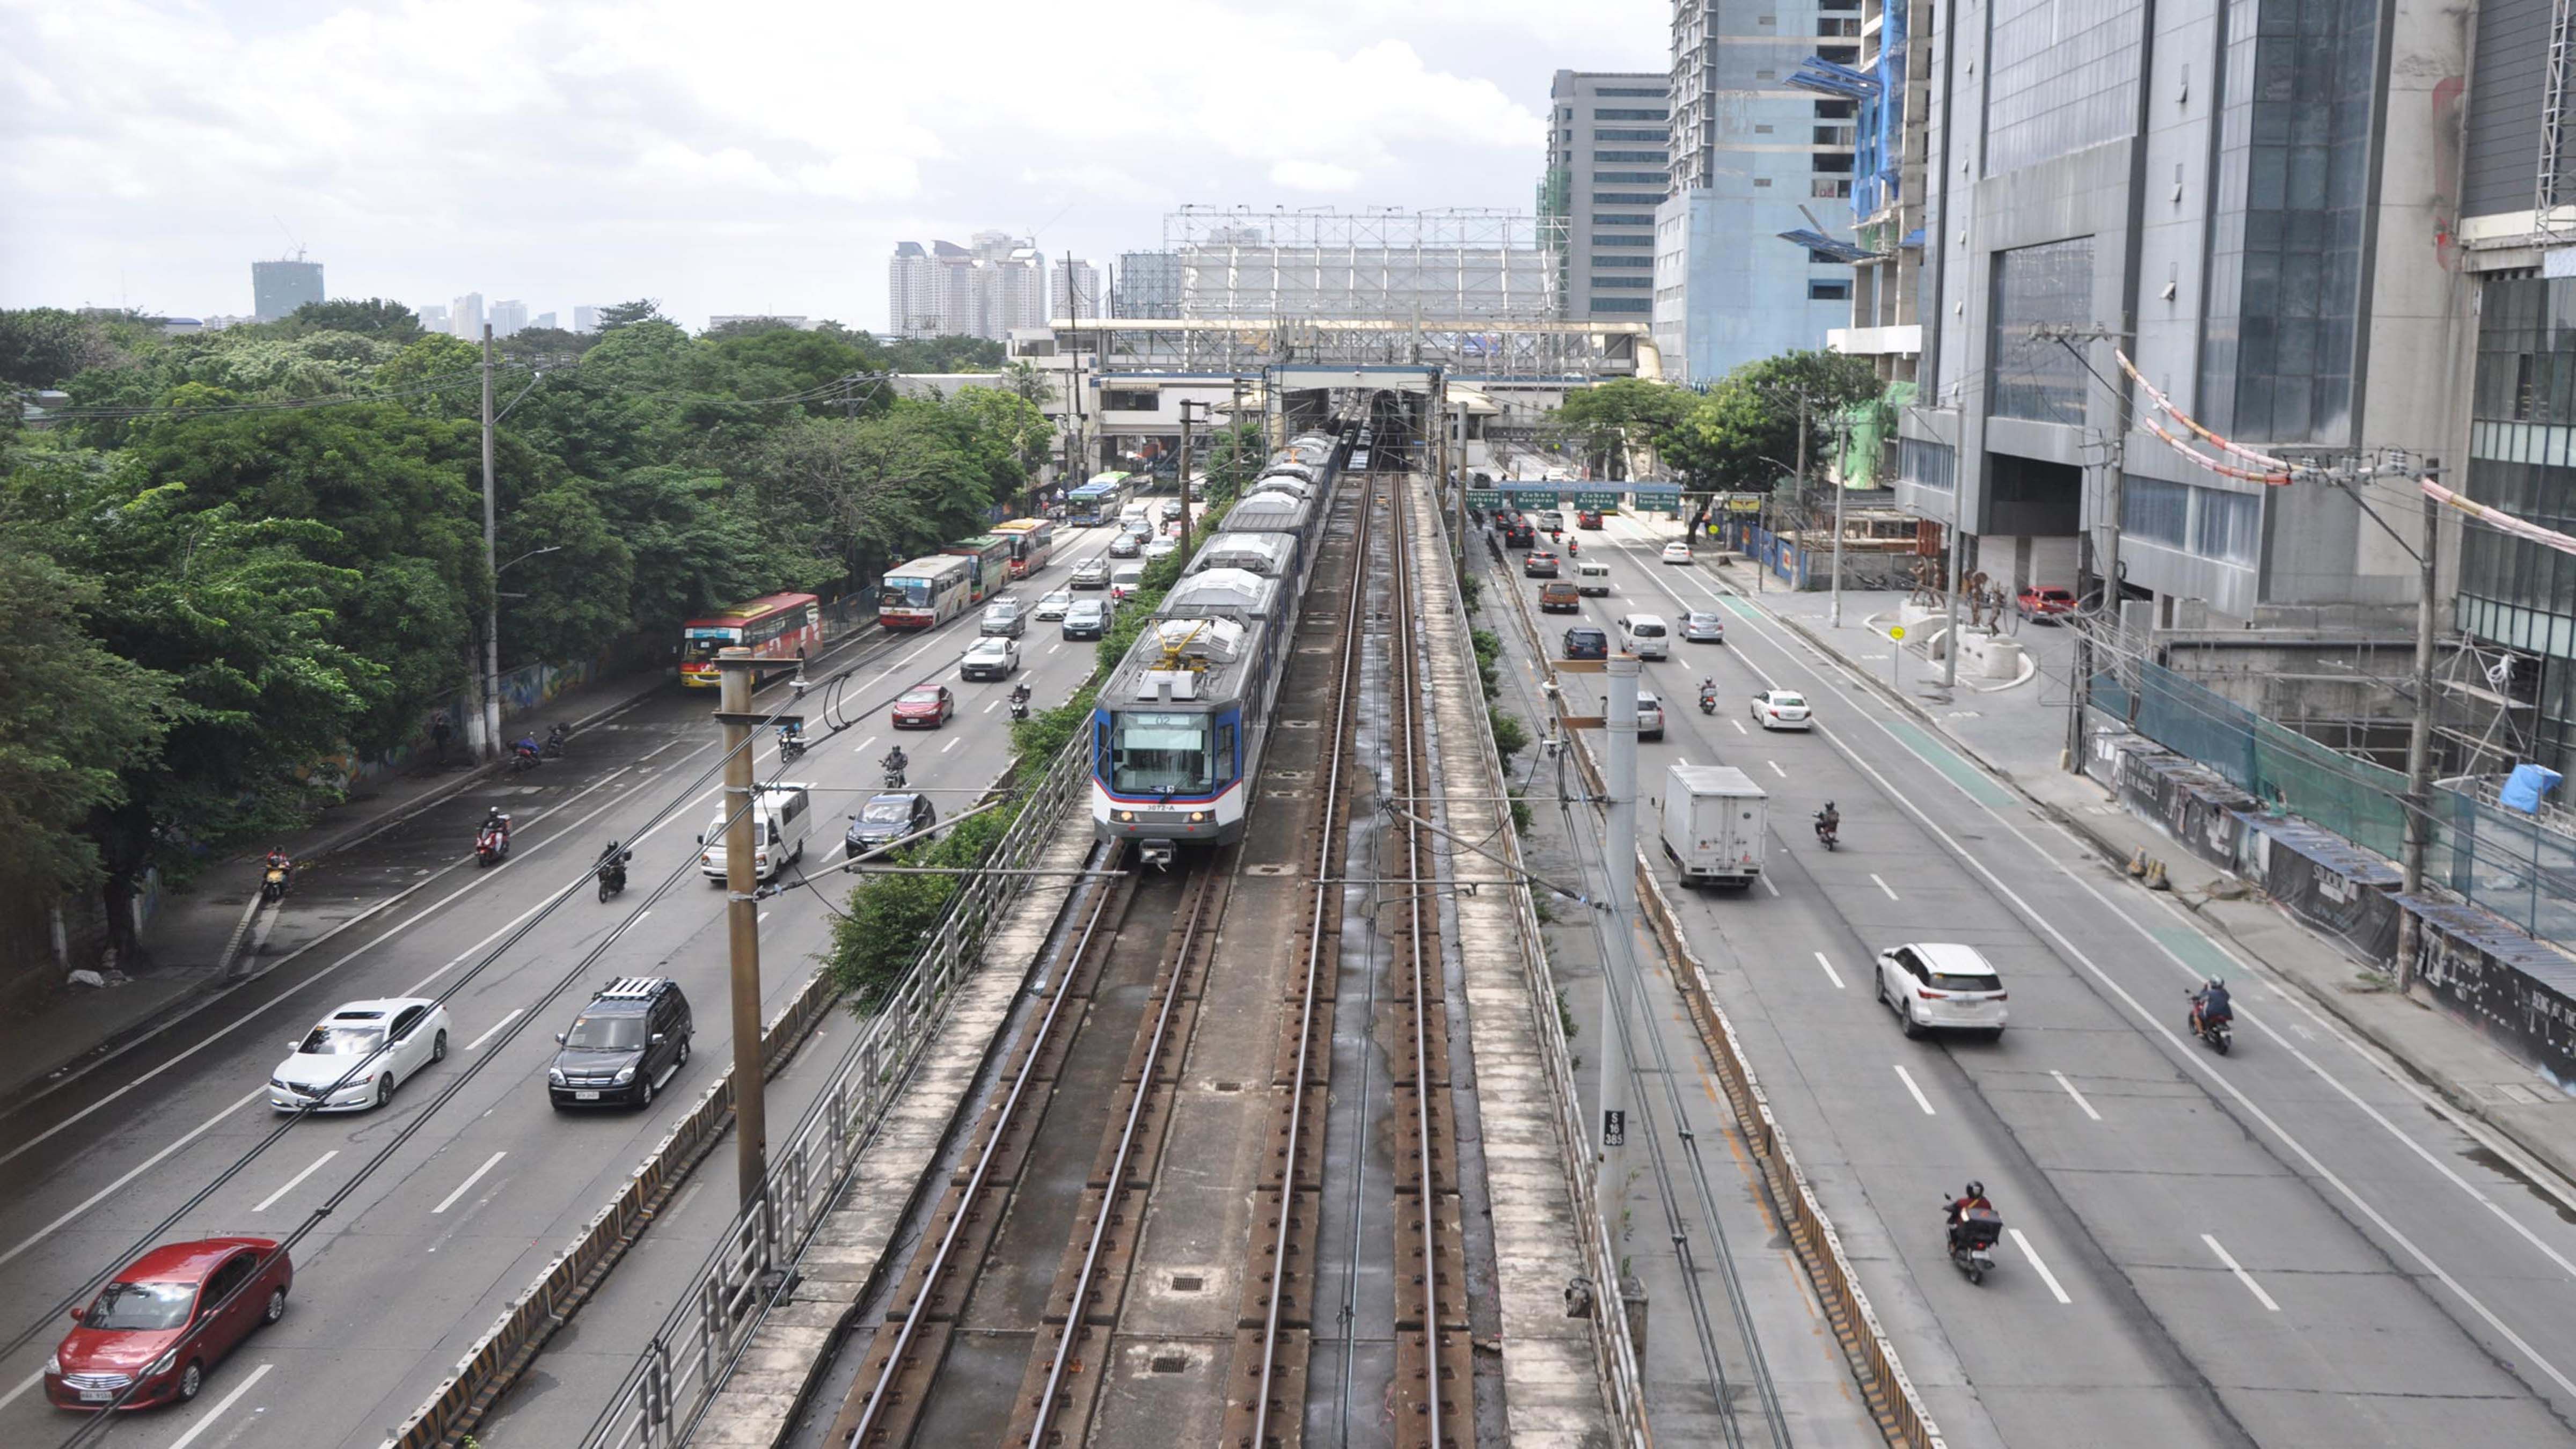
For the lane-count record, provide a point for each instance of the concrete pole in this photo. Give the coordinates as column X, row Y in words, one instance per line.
column 742, row 930
column 1838, row 552
column 1950, row 607
column 2419, row 744
column 1619, row 970
column 1185, row 476
column 491, row 712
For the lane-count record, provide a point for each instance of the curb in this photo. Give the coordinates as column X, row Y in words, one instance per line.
column 2550, row 1155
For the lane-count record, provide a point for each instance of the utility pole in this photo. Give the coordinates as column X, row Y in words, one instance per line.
column 2419, row 745
column 742, row 926
column 1186, row 405
column 1620, row 778
column 1458, row 463
column 491, row 711
column 1837, row 485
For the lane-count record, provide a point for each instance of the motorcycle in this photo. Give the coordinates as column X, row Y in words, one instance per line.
column 2218, row 1033
column 893, row 771
column 791, row 747
column 491, row 845
column 1973, row 1233
column 1708, row 699
column 554, row 746
column 1020, row 703
column 1828, row 830
column 273, row 883
column 522, row 760
column 612, row 877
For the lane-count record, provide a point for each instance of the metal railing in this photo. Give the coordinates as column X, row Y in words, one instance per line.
column 714, row 1318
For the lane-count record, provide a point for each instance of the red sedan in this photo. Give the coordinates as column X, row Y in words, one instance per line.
column 160, row 1324
column 925, row 708
column 2039, row 603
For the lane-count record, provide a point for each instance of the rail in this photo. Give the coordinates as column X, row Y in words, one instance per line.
column 714, row 1318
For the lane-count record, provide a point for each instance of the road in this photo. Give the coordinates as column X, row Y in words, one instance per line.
column 2291, row 1245
column 424, row 1256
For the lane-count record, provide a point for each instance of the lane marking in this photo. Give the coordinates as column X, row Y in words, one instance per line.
column 1776, row 770
column 2241, row 1275
column 988, row 709
column 1882, row 885
column 226, row 1402
column 2078, row 1096
column 296, row 1181
column 146, row 1165
column 2045, row 1276
column 1830, row 973
column 1768, row 886
column 952, row 744
column 764, row 919
column 29, row 1382
column 477, row 1043
column 1739, row 727
column 1919, row 1099
column 488, row 1164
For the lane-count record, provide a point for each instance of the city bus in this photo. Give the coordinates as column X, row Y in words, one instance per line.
column 786, row 626
column 992, row 555
column 1097, row 501
column 1032, row 540
column 925, row 592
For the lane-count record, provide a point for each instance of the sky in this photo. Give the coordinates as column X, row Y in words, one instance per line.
column 754, row 156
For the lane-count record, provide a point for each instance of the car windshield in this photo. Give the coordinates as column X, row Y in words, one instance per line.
column 622, row 1032
column 140, row 1306
column 990, row 649
column 1584, row 636
column 894, row 811
column 1002, row 609
column 332, row 1041
column 1057, row 598
column 919, row 696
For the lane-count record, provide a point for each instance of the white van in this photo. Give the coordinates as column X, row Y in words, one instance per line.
column 1125, row 580
column 1592, row 578
column 1646, row 635
column 781, row 815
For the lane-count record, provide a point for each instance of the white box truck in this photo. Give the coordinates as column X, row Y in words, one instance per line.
column 1715, row 819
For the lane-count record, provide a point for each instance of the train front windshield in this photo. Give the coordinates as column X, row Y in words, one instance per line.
column 1155, row 752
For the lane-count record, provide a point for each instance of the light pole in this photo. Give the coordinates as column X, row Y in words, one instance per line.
column 490, row 715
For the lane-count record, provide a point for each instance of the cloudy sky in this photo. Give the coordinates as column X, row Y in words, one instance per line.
column 746, row 156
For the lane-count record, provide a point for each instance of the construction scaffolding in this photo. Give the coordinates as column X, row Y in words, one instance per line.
column 1469, row 264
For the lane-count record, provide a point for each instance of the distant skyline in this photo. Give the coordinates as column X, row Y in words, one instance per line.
column 616, row 152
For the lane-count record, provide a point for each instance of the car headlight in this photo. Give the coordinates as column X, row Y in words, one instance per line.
column 555, row 1075
column 625, row 1075
column 162, row 1365
column 54, row 1364
column 281, row 1084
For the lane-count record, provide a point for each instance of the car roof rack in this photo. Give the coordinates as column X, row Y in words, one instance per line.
column 631, row 988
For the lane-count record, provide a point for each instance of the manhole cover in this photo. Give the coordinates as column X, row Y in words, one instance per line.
column 1284, row 794
column 1279, row 869
column 1188, row 1283
column 1171, row 1363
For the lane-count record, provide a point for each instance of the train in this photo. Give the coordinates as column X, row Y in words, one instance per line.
column 1179, row 726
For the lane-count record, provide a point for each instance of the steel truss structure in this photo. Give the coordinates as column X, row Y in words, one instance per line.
column 1464, row 263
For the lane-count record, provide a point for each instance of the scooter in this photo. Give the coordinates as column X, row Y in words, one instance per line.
column 893, row 773
column 522, row 761
column 2219, row 1034
column 612, row 877
column 273, row 883
column 791, row 747
column 554, row 746
column 1828, row 831
column 1020, row 703
column 1972, row 1241
column 1708, row 699
column 491, row 845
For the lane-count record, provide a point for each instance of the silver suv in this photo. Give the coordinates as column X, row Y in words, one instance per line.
column 1008, row 618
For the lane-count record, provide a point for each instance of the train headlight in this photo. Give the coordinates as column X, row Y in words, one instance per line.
column 1198, row 817
column 1127, row 815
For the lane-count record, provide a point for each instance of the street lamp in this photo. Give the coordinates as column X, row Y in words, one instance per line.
column 492, row 639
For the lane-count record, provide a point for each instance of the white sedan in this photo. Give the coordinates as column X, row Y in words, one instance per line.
column 1781, row 709
column 1054, row 604
column 355, row 1057
column 990, row 658
column 1935, row 985
column 1677, row 552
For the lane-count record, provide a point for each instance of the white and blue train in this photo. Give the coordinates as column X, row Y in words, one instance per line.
column 1178, row 729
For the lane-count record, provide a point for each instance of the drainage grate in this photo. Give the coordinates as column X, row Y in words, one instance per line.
column 1188, row 1283
column 1171, row 1363
column 1281, row 868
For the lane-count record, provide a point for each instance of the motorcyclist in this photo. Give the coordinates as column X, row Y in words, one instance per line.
column 2210, row 1006
column 1829, row 821
column 525, row 747
column 791, row 732
column 1019, row 694
column 894, row 762
column 278, row 859
column 1971, row 1198
column 496, row 824
column 1708, row 691
column 612, row 863
column 1573, row 547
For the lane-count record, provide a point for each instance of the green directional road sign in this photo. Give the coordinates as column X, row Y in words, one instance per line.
column 1596, row 498
column 1484, row 498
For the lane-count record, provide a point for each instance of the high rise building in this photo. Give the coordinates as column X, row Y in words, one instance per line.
column 277, row 288
column 509, row 317
column 1076, row 287
column 1893, row 90
column 465, row 317
column 433, row 317
column 1748, row 150
column 585, row 319
column 544, row 321
column 1607, row 170
column 981, row 290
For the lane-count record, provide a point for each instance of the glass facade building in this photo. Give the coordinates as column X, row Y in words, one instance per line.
column 2522, row 460
column 2040, row 379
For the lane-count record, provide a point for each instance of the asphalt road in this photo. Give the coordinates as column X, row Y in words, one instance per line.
column 398, row 1282
column 2293, row 1245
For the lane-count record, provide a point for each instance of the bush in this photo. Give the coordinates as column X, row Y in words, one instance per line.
column 890, row 917
column 1510, row 735
column 1489, row 653
column 1522, row 815
column 1471, row 590
column 1041, row 736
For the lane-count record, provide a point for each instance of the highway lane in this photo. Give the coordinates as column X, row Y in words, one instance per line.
column 2287, row 1245
column 421, row 1259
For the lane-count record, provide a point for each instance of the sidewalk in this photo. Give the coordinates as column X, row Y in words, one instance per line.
column 2019, row 733
column 200, row 941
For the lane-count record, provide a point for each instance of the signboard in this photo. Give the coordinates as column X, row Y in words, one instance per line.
column 1595, row 498
column 1614, row 1128
column 1484, row 498
column 1896, row 632
column 1657, row 497
column 1532, row 495
column 1745, row 502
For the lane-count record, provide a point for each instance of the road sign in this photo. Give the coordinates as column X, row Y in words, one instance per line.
column 1896, row 631
column 1484, row 498
column 1595, row 498
column 1614, row 1128
column 1744, row 502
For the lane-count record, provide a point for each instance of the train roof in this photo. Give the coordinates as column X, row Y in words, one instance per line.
column 1281, row 483
column 1234, row 550
column 1185, row 662
column 1291, row 467
column 1221, row 591
column 1274, row 511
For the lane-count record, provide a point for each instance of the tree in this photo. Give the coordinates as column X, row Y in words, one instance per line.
column 697, row 545
column 375, row 317
column 952, row 353
column 1610, row 416
column 781, row 360
column 864, row 493
column 1003, row 432
column 44, row 346
column 627, row 314
column 1745, row 433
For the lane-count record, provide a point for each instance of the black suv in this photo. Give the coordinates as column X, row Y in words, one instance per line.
column 626, row 1043
column 887, row 817
column 1586, row 642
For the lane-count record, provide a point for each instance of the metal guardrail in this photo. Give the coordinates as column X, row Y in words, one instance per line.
column 716, row 1315
column 1614, row 1350
column 1893, row 1399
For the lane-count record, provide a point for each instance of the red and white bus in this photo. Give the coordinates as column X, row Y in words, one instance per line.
column 927, row 591
column 1032, row 540
column 786, row 626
